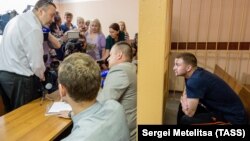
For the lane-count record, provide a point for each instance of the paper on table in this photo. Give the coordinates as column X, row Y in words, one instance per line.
column 57, row 107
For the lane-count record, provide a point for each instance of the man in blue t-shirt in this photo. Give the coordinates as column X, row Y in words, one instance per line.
column 207, row 99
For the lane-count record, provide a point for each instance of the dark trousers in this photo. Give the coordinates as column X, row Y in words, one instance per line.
column 201, row 117
column 17, row 90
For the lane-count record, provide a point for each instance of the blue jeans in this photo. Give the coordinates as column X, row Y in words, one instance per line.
column 202, row 116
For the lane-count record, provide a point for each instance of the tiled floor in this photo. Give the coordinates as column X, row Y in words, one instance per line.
column 172, row 105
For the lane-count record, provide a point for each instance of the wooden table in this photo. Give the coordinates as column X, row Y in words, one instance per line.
column 30, row 123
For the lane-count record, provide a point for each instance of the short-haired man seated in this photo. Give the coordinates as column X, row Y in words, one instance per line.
column 79, row 82
column 207, row 99
column 121, row 83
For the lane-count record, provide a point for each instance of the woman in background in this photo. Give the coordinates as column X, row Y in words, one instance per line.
column 87, row 23
column 80, row 25
column 55, row 27
column 57, row 31
column 124, row 29
column 115, row 35
column 95, row 38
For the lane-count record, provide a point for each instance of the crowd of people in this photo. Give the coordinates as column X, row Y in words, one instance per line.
column 40, row 39
column 32, row 41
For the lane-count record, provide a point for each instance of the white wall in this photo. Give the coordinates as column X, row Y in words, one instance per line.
column 18, row 5
column 107, row 11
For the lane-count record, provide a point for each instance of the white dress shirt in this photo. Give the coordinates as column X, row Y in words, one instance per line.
column 21, row 48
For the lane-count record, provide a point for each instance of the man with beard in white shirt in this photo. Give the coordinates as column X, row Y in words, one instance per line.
column 21, row 55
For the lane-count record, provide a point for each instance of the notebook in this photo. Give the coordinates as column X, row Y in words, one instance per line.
column 56, row 107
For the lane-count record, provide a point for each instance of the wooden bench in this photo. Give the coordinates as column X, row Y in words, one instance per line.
column 242, row 91
column 231, row 81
